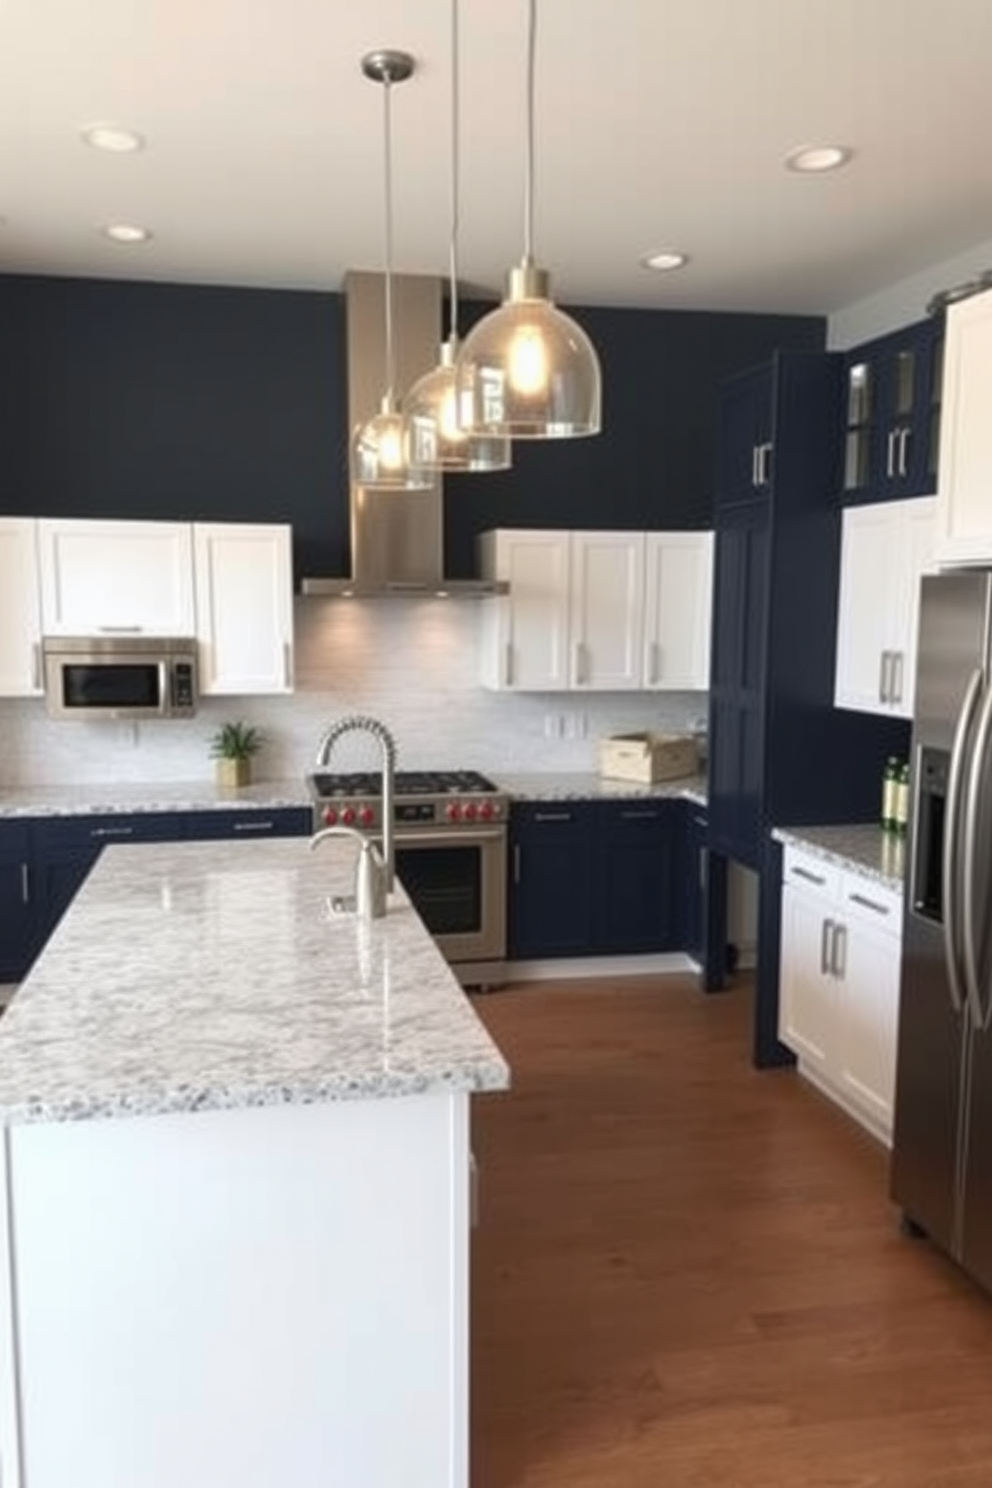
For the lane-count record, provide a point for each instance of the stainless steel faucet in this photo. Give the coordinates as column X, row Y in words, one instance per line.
column 360, row 723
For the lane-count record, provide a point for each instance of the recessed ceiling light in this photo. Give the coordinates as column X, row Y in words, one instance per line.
column 665, row 258
column 126, row 232
column 112, row 137
column 812, row 159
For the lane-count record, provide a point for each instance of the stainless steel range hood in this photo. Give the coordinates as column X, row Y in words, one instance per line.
column 397, row 537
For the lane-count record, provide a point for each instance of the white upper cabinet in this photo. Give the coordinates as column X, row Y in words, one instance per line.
column 116, row 578
column 606, row 612
column 20, row 609
column 525, row 632
column 244, row 608
column 678, row 600
column 965, row 466
column 885, row 549
column 597, row 611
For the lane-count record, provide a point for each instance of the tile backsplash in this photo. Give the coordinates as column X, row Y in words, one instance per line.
column 414, row 664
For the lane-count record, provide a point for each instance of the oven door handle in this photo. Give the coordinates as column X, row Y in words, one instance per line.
column 404, row 839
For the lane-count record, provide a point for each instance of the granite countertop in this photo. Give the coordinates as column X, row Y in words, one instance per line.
column 191, row 795
column 552, row 785
column 862, row 848
column 192, row 976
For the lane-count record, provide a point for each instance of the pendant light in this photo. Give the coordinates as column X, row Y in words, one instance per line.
column 434, row 396
column 527, row 370
column 392, row 451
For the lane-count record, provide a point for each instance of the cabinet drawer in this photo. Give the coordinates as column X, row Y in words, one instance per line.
column 283, row 821
column 806, row 871
column 871, row 903
column 96, row 831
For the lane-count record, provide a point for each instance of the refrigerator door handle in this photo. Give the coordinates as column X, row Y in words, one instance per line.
column 949, row 865
column 969, row 907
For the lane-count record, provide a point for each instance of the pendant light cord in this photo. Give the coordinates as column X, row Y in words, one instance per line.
column 529, row 152
column 388, row 131
column 455, row 162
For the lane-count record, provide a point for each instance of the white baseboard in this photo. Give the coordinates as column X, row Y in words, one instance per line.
column 597, row 966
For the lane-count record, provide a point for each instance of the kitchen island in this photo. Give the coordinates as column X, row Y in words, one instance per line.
column 234, row 1238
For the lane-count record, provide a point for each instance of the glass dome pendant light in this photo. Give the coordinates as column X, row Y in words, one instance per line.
column 434, row 396
column 392, row 451
column 527, row 370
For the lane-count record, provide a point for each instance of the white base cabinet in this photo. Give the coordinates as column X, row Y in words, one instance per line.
column 116, row 578
column 597, row 611
column 841, row 949
column 965, row 480
column 20, row 609
column 256, row 1297
column 885, row 549
column 244, row 608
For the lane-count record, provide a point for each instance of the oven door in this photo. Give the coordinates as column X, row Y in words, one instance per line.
column 457, row 883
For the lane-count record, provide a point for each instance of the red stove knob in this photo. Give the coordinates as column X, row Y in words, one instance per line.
column 453, row 811
column 470, row 811
column 348, row 816
column 366, row 816
column 330, row 816
column 486, row 811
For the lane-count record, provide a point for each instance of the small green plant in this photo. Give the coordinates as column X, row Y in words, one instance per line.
column 235, row 741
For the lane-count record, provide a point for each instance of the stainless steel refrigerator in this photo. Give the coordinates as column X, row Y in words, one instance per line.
column 942, row 1147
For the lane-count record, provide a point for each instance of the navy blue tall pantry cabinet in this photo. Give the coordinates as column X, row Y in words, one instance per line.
column 780, row 754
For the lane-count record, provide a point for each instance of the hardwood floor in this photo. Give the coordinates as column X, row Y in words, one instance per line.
column 688, row 1275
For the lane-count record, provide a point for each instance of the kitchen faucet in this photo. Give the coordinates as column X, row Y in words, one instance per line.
column 360, row 723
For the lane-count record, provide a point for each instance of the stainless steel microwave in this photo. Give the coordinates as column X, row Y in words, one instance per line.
column 119, row 677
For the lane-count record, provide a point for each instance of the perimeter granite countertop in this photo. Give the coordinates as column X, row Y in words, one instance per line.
column 579, row 786
column 862, row 848
column 192, row 795
column 191, row 976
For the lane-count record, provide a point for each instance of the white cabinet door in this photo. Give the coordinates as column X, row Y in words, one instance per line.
column 919, row 543
column 606, row 615
column 965, row 470
column 868, row 963
column 678, row 595
column 525, row 632
column 116, row 578
column 244, row 607
column 870, row 586
column 20, row 609
column 885, row 548
column 807, row 1018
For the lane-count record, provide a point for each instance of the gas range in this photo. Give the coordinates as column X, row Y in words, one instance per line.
column 455, row 800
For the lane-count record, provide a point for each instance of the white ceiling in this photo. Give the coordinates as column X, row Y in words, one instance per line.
column 659, row 124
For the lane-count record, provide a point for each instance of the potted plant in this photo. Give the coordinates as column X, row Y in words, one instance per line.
column 232, row 746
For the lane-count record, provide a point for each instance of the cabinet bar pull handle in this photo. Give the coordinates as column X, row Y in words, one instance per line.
column 577, row 659
column 516, row 862
column 36, row 666
column 838, row 951
column 640, row 815
column 754, row 464
column 890, row 456
column 112, row 832
column 651, row 650
column 826, row 934
column 702, row 868
column 552, row 816
column 287, row 664
column 881, row 677
column 895, row 691
column 254, row 826
column 873, row 904
column 809, row 876
column 764, row 453
column 25, row 884
column 903, row 441
column 120, row 629
column 508, row 665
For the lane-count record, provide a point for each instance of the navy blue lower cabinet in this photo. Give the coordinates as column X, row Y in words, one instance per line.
column 638, row 858
column 248, row 823
column 552, row 889
column 17, row 904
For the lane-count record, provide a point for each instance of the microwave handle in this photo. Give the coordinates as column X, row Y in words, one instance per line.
column 164, row 686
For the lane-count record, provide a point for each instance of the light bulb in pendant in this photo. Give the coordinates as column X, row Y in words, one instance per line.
column 527, row 364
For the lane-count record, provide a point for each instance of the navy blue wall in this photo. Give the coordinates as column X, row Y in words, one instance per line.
column 122, row 399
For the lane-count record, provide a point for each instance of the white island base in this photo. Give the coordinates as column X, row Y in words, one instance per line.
column 261, row 1297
